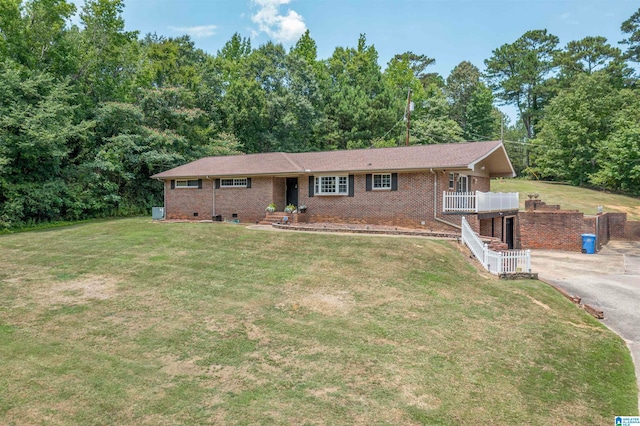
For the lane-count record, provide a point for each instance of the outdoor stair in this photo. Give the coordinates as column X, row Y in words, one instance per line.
column 275, row 217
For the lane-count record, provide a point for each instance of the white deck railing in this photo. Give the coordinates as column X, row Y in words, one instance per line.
column 479, row 202
column 496, row 262
column 459, row 202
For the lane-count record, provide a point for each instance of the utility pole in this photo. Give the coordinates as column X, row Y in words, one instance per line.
column 408, row 115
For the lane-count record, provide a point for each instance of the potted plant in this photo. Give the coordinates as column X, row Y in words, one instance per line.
column 290, row 208
column 271, row 207
column 302, row 208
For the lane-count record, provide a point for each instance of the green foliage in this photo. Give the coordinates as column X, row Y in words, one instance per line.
column 107, row 54
column 631, row 27
column 432, row 125
column 305, row 48
column 170, row 62
column 589, row 55
column 88, row 112
column 471, row 103
column 36, row 135
column 577, row 122
column 360, row 106
column 517, row 74
column 619, row 158
column 517, row 145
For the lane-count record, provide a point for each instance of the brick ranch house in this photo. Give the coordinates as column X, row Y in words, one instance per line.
column 423, row 186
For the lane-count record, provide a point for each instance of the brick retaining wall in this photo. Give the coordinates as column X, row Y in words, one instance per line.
column 552, row 230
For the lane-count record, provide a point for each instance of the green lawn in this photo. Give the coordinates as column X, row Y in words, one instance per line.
column 570, row 197
column 140, row 323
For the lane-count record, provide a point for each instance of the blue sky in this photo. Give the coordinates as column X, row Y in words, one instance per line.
column 450, row 31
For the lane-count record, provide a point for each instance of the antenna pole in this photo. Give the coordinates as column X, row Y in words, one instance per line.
column 408, row 116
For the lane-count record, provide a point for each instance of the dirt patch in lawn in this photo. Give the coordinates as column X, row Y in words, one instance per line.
column 178, row 367
column 539, row 303
column 413, row 396
column 337, row 303
column 92, row 287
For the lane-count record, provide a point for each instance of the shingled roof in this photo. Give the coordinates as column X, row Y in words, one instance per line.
column 459, row 156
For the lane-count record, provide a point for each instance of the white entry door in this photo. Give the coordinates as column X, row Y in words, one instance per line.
column 463, row 184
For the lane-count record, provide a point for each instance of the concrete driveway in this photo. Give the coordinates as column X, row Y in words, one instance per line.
column 609, row 281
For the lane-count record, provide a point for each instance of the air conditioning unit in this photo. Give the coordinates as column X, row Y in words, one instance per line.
column 157, row 213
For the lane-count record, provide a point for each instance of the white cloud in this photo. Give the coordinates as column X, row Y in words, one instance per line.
column 282, row 28
column 200, row 31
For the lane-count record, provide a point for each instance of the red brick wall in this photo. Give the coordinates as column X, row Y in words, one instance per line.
column 492, row 227
column 562, row 230
column 248, row 203
column 410, row 205
column 617, row 223
column 481, row 184
column 279, row 193
column 486, row 228
column 553, row 230
column 632, row 230
column 182, row 203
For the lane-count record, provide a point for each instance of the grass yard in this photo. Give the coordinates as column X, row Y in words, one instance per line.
column 570, row 197
column 139, row 323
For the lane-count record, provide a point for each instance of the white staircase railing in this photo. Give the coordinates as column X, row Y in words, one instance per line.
column 496, row 262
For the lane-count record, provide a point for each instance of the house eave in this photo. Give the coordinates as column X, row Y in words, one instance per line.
column 314, row 172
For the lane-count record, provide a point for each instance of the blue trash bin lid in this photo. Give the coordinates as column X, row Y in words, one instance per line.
column 589, row 235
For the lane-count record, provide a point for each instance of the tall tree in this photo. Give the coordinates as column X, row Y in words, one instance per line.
column 631, row 27
column 170, row 62
column 587, row 56
column 619, row 158
column 305, row 48
column 433, row 125
column 108, row 55
column 33, row 33
column 471, row 103
column 418, row 65
column 357, row 107
column 482, row 119
column 517, row 73
column 461, row 83
column 576, row 123
column 37, row 130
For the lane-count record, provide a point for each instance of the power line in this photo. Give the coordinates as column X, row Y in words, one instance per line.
column 393, row 127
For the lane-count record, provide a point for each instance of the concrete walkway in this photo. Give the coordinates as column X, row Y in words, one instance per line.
column 609, row 281
column 357, row 229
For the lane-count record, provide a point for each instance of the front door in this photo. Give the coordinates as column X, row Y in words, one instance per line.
column 508, row 232
column 292, row 191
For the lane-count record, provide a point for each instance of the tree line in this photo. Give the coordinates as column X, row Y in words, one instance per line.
column 88, row 112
